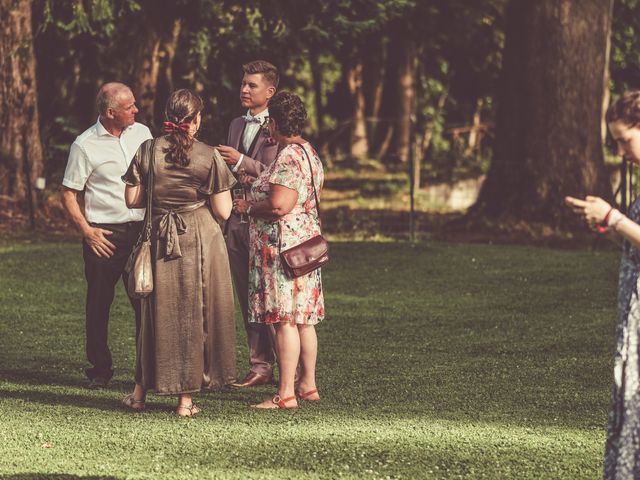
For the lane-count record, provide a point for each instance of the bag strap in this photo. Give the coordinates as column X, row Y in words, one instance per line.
column 315, row 194
column 151, row 154
column 313, row 184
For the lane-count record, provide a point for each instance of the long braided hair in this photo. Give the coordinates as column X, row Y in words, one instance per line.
column 180, row 111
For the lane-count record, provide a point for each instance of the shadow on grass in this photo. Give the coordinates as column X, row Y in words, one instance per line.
column 26, row 376
column 52, row 476
column 101, row 400
column 104, row 403
column 31, row 377
column 70, row 399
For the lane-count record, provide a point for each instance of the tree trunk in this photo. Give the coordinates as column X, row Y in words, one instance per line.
column 473, row 144
column 160, row 32
column 606, row 96
column 548, row 141
column 386, row 143
column 169, row 49
column 385, row 138
column 374, row 76
column 377, row 72
column 316, row 75
column 406, row 96
column 20, row 145
column 146, row 71
column 359, row 141
column 165, row 84
column 423, row 142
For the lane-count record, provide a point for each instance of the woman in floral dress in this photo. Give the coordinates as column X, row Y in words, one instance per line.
column 283, row 213
column 622, row 452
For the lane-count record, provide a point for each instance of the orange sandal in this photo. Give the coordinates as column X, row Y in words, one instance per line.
column 306, row 395
column 279, row 403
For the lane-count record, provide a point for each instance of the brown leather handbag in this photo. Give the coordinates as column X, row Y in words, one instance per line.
column 310, row 254
column 139, row 265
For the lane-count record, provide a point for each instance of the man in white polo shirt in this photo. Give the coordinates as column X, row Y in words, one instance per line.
column 97, row 160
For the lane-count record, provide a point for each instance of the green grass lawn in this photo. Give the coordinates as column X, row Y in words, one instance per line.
column 436, row 361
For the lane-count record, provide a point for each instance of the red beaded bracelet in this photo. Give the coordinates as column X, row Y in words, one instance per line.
column 602, row 228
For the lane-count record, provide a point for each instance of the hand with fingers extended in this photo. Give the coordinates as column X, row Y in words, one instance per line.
column 229, row 154
column 593, row 209
column 95, row 238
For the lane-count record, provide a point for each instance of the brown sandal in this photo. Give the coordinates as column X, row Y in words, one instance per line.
column 132, row 404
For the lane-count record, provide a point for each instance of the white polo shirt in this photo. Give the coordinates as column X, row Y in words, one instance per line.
column 96, row 162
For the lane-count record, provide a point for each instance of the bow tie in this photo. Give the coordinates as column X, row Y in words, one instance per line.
column 251, row 119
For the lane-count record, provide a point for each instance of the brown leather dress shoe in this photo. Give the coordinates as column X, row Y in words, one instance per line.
column 253, row 379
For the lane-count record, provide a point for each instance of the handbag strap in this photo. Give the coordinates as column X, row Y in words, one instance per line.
column 151, row 154
column 315, row 194
column 313, row 184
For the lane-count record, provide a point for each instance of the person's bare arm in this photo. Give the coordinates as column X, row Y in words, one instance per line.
column 93, row 236
column 221, row 204
column 595, row 210
column 629, row 230
column 280, row 202
column 134, row 196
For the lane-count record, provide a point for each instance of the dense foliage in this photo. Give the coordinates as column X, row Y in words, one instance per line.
column 453, row 53
column 377, row 77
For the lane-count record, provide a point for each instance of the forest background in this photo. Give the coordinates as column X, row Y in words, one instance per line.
column 409, row 92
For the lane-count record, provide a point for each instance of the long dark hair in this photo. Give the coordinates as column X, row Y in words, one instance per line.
column 182, row 108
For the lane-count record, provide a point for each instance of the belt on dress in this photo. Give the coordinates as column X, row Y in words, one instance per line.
column 171, row 225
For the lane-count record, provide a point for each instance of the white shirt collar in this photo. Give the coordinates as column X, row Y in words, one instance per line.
column 103, row 131
column 262, row 115
column 100, row 128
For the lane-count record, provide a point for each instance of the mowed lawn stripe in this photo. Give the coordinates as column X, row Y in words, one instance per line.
column 436, row 361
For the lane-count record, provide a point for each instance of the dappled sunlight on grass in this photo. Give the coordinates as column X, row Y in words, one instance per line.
column 318, row 440
column 436, row 361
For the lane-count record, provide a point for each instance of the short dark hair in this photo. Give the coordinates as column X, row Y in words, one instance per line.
column 289, row 113
column 626, row 109
column 268, row 71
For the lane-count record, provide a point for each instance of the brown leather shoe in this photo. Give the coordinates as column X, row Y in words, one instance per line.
column 253, row 379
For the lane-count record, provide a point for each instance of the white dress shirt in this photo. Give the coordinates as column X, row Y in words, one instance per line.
column 96, row 162
column 251, row 129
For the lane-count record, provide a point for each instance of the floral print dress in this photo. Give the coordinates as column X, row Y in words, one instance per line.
column 622, row 453
column 273, row 296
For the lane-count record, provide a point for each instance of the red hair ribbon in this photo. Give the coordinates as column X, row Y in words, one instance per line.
column 170, row 127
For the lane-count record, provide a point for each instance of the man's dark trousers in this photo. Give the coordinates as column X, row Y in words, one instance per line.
column 102, row 275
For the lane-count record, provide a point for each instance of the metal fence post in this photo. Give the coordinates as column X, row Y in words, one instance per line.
column 412, row 182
